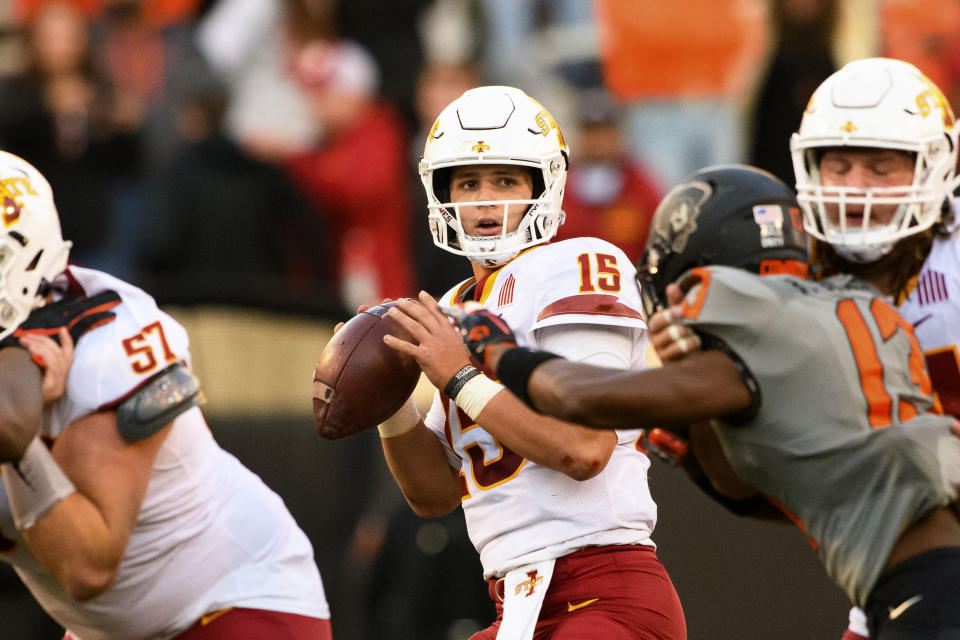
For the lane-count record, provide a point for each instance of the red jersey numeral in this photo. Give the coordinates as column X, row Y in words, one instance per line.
column 608, row 275
column 141, row 348
column 488, row 474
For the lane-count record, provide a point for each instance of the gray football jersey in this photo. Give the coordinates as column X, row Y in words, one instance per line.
column 842, row 438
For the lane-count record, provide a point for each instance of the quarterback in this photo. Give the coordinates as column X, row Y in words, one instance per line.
column 560, row 514
column 123, row 517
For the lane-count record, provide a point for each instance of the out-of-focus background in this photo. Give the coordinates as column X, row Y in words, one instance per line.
column 252, row 163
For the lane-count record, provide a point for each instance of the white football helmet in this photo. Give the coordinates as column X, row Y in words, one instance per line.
column 495, row 125
column 876, row 103
column 32, row 251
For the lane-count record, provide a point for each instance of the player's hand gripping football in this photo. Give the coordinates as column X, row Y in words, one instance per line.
column 672, row 340
column 440, row 351
column 50, row 332
column 485, row 333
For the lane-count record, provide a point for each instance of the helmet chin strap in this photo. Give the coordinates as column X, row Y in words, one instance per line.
column 864, row 255
column 495, row 258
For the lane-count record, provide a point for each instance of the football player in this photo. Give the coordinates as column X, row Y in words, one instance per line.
column 874, row 158
column 561, row 515
column 816, row 395
column 124, row 518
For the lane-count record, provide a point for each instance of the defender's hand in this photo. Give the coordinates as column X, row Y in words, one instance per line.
column 671, row 340
column 483, row 332
column 54, row 357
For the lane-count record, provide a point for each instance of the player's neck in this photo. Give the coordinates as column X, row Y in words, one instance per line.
column 479, row 271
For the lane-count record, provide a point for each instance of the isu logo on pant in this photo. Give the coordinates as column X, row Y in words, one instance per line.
column 530, row 584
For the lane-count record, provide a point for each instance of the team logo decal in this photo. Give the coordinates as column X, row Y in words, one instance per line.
column 506, row 292
column 10, row 191
column 433, row 131
column 769, row 217
column 480, row 147
column 530, row 584
column 676, row 217
column 933, row 98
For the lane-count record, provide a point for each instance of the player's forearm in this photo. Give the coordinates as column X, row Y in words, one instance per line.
column 82, row 538
column 21, row 402
column 703, row 386
column 420, row 467
column 75, row 543
column 576, row 451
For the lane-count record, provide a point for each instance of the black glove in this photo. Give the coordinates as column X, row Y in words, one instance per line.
column 78, row 315
column 482, row 329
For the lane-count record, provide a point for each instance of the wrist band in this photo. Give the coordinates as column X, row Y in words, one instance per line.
column 517, row 365
column 405, row 419
column 476, row 393
column 34, row 485
column 459, row 379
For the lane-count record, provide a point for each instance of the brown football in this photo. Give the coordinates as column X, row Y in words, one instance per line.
column 359, row 381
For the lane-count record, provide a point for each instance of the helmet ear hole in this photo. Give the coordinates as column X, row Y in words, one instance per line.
column 441, row 183
column 36, row 260
column 538, row 186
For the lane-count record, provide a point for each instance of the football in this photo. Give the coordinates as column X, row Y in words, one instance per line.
column 359, row 381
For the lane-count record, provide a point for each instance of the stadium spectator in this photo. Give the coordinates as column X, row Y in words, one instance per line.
column 62, row 113
column 357, row 177
column 609, row 195
column 802, row 57
column 247, row 44
column 681, row 68
column 228, row 228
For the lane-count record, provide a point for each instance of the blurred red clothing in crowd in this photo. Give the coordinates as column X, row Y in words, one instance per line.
column 358, row 180
column 155, row 12
column 621, row 215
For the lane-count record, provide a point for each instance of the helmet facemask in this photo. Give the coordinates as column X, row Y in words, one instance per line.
column 918, row 206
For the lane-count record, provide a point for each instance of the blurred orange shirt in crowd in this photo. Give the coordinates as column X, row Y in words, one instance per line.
column 156, row 12
column 925, row 33
column 689, row 49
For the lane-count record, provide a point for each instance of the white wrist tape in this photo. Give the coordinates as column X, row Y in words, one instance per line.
column 404, row 420
column 476, row 393
column 34, row 485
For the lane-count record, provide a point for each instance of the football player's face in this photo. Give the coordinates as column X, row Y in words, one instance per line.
column 477, row 183
column 864, row 169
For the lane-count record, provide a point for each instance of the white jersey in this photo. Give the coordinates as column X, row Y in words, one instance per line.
column 209, row 534
column 933, row 308
column 517, row 511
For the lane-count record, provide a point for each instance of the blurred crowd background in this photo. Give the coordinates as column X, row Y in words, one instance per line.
column 252, row 163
